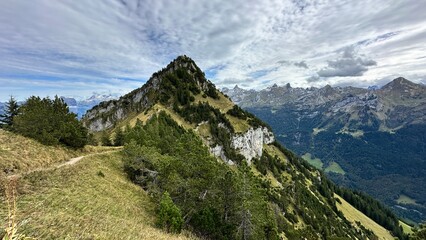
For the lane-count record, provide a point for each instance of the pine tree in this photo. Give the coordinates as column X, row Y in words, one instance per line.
column 105, row 140
column 246, row 225
column 11, row 110
column 50, row 122
column 119, row 137
column 170, row 216
column 419, row 233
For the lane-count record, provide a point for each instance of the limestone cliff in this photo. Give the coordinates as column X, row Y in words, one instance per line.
column 250, row 144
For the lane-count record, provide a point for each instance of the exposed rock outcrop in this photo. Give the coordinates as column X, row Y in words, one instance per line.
column 218, row 151
column 250, row 144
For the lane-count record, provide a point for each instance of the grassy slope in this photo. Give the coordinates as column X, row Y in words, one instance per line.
column 352, row 214
column 74, row 202
column 240, row 126
column 19, row 154
column 223, row 104
column 406, row 228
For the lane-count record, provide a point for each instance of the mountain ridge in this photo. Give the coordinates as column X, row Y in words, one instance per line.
column 361, row 137
column 390, row 102
column 182, row 101
column 144, row 96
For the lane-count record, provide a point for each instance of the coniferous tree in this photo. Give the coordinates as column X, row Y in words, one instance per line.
column 419, row 233
column 170, row 216
column 105, row 139
column 91, row 140
column 246, row 226
column 119, row 137
column 11, row 110
column 50, row 122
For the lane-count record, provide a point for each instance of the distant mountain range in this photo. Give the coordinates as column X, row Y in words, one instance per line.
column 80, row 107
column 369, row 139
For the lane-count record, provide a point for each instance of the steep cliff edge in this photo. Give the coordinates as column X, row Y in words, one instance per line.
column 250, row 143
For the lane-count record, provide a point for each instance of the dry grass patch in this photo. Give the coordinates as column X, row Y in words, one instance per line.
column 239, row 125
column 334, row 167
column 316, row 162
column 404, row 199
column 20, row 154
column 92, row 199
column 155, row 110
column 223, row 103
column 352, row 214
column 274, row 151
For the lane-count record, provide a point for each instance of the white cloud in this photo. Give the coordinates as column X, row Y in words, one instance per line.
column 242, row 42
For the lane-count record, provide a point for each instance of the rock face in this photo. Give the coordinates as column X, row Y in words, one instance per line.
column 250, row 143
column 218, row 151
column 106, row 114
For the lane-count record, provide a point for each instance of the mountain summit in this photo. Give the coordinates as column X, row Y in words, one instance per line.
column 222, row 166
column 180, row 77
column 400, row 83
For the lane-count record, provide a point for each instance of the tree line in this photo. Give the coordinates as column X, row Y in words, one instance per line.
column 46, row 120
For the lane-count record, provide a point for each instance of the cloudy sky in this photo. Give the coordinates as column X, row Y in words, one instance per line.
column 74, row 48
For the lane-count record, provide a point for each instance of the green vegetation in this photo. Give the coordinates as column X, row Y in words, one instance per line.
column 49, row 122
column 10, row 111
column 119, row 137
column 237, row 112
column 220, row 202
column 77, row 203
column 374, row 210
column 220, row 127
column 354, row 216
column 335, row 168
column 169, row 215
column 279, row 195
column 253, row 121
column 106, row 139
column 419, row 233
column 364, row 203
column 181, row 85
column 316, row 162
column 381, row 164
column 162, row 156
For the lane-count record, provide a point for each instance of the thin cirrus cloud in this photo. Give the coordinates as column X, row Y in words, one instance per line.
column 77, row 47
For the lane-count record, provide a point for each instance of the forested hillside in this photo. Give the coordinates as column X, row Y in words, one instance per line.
column 253, row 187
column 371, row 140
